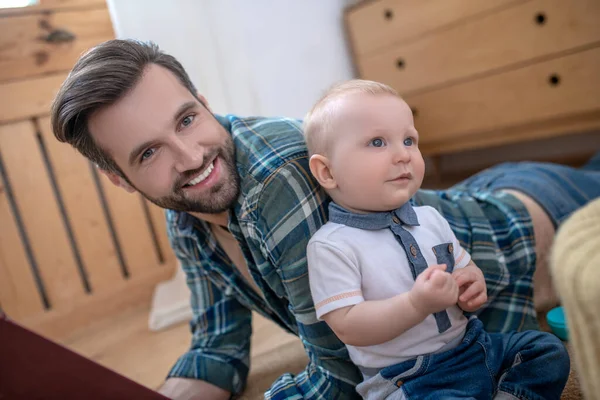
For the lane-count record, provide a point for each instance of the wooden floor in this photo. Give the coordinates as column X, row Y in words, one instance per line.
column 125, row 345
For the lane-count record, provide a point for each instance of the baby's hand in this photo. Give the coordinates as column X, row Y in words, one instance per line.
column 473, row 291
column 434, row 290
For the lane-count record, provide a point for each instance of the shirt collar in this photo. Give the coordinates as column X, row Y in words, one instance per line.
column 224, row 121
column 373, row 221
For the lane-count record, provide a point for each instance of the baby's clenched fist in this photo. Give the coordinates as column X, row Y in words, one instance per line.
column 434, row 290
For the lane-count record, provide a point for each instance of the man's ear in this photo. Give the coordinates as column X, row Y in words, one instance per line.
column 320, row 168
column 204, row 101
column 117, row 180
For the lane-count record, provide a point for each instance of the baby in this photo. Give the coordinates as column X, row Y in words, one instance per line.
column 391, row 279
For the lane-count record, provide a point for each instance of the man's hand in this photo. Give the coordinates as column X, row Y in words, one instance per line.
column 434, row 290
column 192, row 389
column 473, row 291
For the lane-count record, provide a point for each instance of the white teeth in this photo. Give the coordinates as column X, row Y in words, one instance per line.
column 202, row 176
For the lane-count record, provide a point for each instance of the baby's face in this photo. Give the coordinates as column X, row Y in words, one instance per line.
column 374, row 155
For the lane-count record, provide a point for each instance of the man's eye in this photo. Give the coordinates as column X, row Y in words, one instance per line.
column 147, row 154
column 409, row 141
column 378, row 142
column 187, row 120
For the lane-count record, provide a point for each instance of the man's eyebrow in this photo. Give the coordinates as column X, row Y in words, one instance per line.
column 185, row 107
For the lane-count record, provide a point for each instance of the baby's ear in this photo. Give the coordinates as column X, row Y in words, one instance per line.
column 320, row 168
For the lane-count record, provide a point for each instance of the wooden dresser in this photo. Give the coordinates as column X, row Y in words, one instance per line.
column 484, row 73
column 73, row 247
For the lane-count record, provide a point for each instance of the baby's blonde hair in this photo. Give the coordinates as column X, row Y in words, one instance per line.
column 318, row 122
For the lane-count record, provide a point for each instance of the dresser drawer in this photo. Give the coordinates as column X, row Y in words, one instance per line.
column 555, row 89
column 375, row 25
column 507, row 38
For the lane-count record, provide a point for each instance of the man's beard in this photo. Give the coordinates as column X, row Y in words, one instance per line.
column 221, row 196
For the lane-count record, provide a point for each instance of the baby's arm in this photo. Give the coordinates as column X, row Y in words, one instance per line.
column 378, row 321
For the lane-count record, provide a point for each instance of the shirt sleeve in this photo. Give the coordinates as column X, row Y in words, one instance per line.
column 335, row 281
column 221, row 328
column 290, row 210
column 461, row 257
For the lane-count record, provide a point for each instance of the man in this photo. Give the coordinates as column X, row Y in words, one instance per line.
column 242, row 206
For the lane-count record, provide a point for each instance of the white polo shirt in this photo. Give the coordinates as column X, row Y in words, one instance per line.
column 348, row 265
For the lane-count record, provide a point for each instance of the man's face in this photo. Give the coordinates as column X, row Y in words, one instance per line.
column 169, row 145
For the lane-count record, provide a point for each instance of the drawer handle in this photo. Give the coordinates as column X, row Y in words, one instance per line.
column 540, row 18
column 554, row 80
column 388, row 14
column 400, row 63
column 59, row 36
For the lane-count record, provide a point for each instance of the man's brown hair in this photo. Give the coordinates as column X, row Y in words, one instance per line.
column 100, row 78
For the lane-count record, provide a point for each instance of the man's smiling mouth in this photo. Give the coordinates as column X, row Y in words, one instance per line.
column 202, row 176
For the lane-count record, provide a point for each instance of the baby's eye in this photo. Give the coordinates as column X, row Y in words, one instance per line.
column 377, row 142
column 409, row 141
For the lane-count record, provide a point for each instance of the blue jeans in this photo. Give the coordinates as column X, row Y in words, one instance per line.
column 559, row 189
column 522, row 365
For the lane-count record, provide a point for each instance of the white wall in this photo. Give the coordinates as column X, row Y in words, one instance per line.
column 248, row 57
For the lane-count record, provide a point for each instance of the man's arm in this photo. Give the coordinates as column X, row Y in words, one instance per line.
column 218, row 360
column 290, row 208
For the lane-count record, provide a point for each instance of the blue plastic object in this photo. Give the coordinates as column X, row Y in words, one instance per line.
column 558, row 323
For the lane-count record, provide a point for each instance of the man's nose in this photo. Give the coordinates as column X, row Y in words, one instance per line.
column 189, row 155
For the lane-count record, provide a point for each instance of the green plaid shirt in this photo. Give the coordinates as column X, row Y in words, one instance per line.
column 279, row 208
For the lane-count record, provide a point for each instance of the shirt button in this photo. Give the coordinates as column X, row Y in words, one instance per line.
column 396, row 219
column 413, row 250
column 450, row 248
